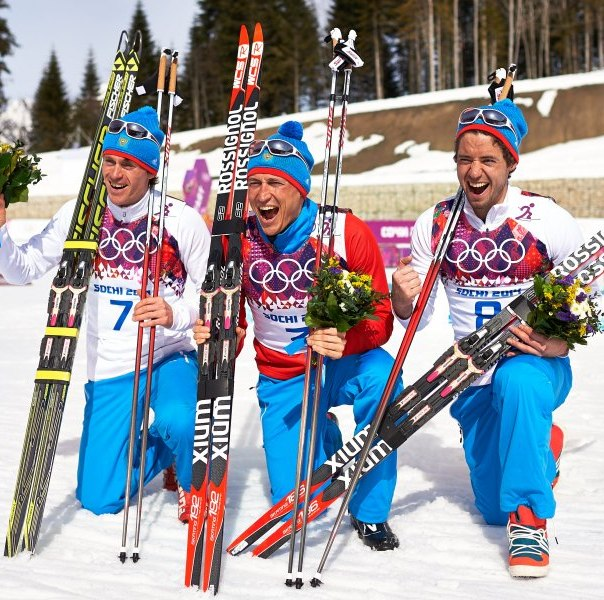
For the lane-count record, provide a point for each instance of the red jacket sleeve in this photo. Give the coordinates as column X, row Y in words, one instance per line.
column 363, row 256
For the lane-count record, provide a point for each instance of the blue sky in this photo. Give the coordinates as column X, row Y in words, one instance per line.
column 73, row 27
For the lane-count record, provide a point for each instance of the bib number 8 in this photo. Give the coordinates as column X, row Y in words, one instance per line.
column 485, row 310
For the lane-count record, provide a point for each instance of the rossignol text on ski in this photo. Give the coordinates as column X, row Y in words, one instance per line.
column 219, row 309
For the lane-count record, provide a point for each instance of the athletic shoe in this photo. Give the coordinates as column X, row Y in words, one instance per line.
column 556, row 442
column 170, row 481
column 529, row 549
column 378, row 536
column 184, row 505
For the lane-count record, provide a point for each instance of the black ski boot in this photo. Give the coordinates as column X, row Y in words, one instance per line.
column 378, row 536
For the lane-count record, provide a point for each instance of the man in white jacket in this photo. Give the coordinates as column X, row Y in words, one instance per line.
column 503, row 238
column 131, row 157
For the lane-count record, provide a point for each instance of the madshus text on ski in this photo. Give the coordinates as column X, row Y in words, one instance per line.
column 65, row 310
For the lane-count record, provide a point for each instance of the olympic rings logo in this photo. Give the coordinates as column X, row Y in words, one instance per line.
column 498, row 259
column 275, row 279
column 130, row 248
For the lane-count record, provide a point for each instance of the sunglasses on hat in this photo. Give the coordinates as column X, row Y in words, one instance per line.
column 276, row 147
column 490, row 116
column 133, row 130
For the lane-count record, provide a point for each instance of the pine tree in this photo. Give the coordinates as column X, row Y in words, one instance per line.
column 50, row 114
column 87, row 106
column 296, row 73
column 292, row 76
column 7, row 43
column 375, row 24
column 149, row 56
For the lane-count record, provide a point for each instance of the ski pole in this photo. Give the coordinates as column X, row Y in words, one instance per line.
column 156, row 277
column 334, row 37
column 139, row 341
column 347, row 67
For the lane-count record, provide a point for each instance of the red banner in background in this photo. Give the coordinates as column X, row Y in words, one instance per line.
column 393, row 238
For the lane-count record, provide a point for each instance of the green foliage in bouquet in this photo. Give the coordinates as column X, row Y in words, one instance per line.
column 339, row 298
column 17, row 171
column 564, row 309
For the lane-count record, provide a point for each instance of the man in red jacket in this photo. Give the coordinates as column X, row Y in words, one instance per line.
column 279, row 258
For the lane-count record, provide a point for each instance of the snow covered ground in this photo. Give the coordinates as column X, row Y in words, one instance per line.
column 446, row 550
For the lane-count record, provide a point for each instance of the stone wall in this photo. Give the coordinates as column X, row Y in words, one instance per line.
column 581, row 197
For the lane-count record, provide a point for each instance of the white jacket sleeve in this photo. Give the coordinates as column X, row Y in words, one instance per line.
column 194, row 246
column 422, row 256
column 21, row 264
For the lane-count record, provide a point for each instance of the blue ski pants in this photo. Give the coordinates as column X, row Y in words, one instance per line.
column 357, row 380
column 103, row 456
column 506, row 429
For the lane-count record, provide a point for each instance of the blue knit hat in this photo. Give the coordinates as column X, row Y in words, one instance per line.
column 510, row 138
column 292, row 168
column 144, row 152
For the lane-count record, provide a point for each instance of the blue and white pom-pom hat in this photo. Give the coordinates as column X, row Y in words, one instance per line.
column 503, row 120
column 294, row 167
column 136, row 136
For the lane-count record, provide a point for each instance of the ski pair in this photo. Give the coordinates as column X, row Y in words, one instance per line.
column 151, row 271
column 219, row 309
column 65, row 309
column 455, row 370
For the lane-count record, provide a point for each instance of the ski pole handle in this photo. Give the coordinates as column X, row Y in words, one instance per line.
column 173, row 67
column 161, row 72
column 509, row 80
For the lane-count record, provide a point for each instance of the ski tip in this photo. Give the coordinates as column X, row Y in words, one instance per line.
column 123, row 43
column 244, row 37
column 137, row 44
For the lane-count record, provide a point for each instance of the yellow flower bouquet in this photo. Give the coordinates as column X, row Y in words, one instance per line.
column 564, row 309
column 340, row 298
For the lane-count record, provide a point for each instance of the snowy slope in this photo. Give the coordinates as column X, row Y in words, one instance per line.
column 64, row 168
column 446, row 551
